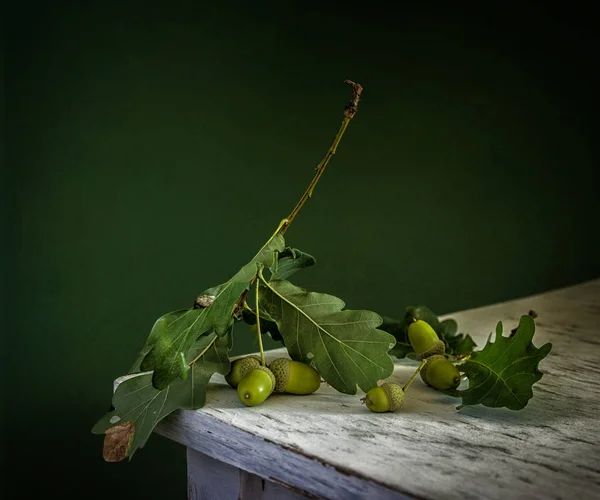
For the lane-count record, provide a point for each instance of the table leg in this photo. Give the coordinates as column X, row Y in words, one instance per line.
column 210, row 479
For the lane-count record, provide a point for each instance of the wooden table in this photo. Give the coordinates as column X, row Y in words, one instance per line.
column 328, row 445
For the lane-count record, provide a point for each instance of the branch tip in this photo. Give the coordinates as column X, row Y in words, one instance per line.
column 352, row 107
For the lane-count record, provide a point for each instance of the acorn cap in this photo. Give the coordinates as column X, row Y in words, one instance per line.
column 395, row 395
column 239, row 368
column 247, row 364
column 438, row 348
column 281, row 370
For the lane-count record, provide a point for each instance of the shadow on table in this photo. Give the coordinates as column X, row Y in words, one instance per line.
column 421, row 401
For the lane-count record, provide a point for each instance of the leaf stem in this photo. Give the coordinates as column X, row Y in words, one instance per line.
column 282, row 224
column 277, row 232
column 260, row 344
column 203, row 351
column 410, row 381
column 349, row 112
column 291, row 304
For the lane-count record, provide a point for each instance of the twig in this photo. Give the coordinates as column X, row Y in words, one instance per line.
column 260, row 344
column 349, row 112
column 407, row 385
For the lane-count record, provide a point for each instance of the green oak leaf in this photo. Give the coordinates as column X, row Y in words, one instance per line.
column 175, row 332
column 397, row 328
column 137, row 365
column 447, row 328
column 401, row 350
column 289, row 262
column 138, row 406
column 459, row 345
column 267, row 324
column 345, row 346
column 503, row 372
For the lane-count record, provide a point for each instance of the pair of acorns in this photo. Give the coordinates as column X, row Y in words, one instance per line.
column 255, row 382
column 437, row 372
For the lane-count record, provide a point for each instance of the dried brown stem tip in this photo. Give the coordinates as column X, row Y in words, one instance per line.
column 352, row 107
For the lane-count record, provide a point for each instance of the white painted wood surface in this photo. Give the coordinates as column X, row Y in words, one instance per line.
column 329, row 445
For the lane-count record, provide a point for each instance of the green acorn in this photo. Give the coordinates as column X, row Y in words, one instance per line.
column 294, row 377
column 440, row 373
column 256, row 386
column 386, row 397
column 424, row 340
column 239, row 368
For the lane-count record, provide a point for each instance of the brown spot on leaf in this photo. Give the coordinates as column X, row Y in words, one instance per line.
column 117, row 441
column 203, row 301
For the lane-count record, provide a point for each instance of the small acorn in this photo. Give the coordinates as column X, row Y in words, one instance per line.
column 256, row 386
column 294, row 377
column 239, row 368
column 440, row 373
column 424, row 340
column 386, row 397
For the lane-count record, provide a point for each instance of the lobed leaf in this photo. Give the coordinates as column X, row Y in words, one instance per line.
column 289, row 262
column 345, row 346
column 397, row 328
column 267, row 324
column 174, row 333
column 447, row 328
column 139, row 406
column 503, row 372
column 459, row 345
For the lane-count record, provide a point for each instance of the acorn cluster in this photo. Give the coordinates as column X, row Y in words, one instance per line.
column 436, row 370
column 255, row 382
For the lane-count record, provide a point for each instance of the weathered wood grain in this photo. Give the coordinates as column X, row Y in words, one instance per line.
column 330, row 445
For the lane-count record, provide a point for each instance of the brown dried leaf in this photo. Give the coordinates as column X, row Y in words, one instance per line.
column 117, row 441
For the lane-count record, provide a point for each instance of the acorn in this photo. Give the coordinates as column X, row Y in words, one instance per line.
column 424, row 340
column 256, row 386
column 294, row 377
column 386, row 397
column 239, row 368
column 440, row 373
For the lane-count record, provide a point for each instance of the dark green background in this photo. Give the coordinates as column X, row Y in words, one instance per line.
column 152, row 150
